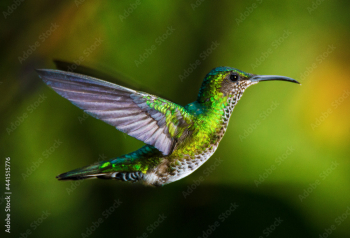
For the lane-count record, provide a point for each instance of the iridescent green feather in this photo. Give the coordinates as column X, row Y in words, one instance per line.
column 202, row 119
column 177, row 117
column 139, row 160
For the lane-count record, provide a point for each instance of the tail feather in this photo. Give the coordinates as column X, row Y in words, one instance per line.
column 91, row 171
column 103, row 170
column 130, row 167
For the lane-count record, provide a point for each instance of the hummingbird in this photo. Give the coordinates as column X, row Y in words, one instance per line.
column 179, row 139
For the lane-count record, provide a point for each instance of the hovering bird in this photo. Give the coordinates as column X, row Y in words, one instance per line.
column 178, row 139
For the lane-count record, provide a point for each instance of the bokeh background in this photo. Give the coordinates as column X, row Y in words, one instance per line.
column 282, row 169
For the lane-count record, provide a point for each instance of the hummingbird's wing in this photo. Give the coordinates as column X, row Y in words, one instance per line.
column 153, row 120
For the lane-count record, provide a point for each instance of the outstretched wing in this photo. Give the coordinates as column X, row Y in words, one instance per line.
column 155, row 121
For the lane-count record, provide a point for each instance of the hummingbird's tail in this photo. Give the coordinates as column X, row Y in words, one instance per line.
column 131, row 167
column 119, row 169
column 91, row 171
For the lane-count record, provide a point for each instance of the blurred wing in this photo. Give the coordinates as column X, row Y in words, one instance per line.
column 155, row 121
column 117, row 77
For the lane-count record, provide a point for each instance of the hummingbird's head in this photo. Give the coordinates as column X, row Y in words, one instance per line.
column 226, row 81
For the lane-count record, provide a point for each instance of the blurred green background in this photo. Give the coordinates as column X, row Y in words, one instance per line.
column 285, row 156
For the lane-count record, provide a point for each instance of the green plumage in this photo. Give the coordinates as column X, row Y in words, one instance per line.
column 179, row 139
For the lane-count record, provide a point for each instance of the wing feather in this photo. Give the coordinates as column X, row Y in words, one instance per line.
column 141, row 115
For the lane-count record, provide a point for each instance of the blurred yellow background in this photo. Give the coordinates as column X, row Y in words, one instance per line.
column 284, row 161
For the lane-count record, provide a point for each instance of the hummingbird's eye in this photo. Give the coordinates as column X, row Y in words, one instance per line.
column 234, row 77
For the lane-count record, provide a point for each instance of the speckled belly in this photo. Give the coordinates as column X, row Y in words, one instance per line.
column 188, row 165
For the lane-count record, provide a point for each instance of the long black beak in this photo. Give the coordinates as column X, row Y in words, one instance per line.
column 258, row 78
